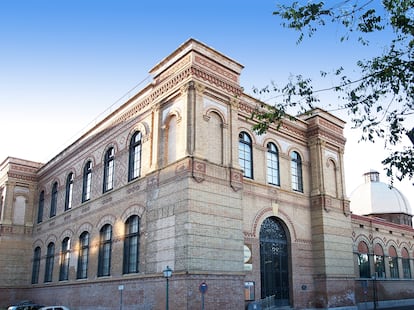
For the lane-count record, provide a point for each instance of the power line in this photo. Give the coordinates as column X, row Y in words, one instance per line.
column 121, row 100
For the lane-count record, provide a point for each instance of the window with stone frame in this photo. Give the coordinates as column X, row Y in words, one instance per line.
column 363, row 260
column 105, row 248
column 69, row 192
column 131, row 245
column 109, row 164
column 50, row 259
column 393, row 263
column 296, row 171
column 83, row 256
column 41, row 207
column 246, row 155
column 135, row 153
column 273, row 175
column 379, row 261
column 87, row 181
column 64, row 260
column 53, row 200
column 405, row 259
column 36, row 265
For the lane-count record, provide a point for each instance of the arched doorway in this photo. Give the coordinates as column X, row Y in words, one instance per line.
column 274, row 262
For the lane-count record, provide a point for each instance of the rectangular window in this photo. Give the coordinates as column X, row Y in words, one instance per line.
column 363, row 263
column 64, row 260
column 36, row 266
column 296, row 172
column 53, row 203
column 393, row 263
column 108, row 182
column 105, row 247
column 41, row 207
column 69, row 192
column 406, row 268
column 83, row 256
column 246, row 155
column 131, row 245
column 87, row 181
column 379, row 266
column 272, row 164
column 134, row 169
column 50, row 256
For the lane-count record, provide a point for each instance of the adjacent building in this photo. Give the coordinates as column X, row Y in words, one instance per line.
column 177, row 177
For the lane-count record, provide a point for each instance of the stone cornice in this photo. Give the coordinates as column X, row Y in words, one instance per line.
column 327, row 135
column 22, row 177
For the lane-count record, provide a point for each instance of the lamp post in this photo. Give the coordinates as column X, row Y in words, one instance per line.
column 167, row 275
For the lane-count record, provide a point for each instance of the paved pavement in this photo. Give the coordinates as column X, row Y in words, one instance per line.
column 395, row 308
column 403, row 306
column 398, row 308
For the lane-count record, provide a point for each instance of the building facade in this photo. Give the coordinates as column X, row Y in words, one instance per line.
column 176, row 177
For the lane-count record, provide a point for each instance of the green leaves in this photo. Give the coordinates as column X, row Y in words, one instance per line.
column 382, row 96
column 302, row 17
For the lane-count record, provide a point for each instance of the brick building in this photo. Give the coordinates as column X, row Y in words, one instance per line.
column 176, row 177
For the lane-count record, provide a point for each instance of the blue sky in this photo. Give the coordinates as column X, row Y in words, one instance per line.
column 65, row 63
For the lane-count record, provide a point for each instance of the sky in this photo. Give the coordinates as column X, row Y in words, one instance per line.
column 65, row 64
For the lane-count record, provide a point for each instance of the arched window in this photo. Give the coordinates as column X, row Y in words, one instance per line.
column 393, row 263
column 41, row 207
column 272, row 164
column 131, row 245
column 50, row 257
column 69, row 192
column 296, row 171
column 108, row 182
column 379, row 261
column 36, row 265
column 406, row 264
column 363, row 260
column 246, row 154
column 134, row 167
column 64, row 260
column 53, row 201
column 87, row 181
column 83, row 257
column 105, row 247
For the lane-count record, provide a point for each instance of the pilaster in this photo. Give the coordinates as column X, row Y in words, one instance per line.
column 233, row 134
column 7, row 213
column 189, row 92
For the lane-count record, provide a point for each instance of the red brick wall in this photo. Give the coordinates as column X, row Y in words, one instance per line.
column 224, row 292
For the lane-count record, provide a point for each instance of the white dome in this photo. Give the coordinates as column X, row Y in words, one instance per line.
column 375, row 197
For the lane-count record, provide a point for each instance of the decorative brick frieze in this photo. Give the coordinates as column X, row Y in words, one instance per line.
column 173, row 69
column 196, row 210
column 23, row 177
column 220, row 70
column 132, row 189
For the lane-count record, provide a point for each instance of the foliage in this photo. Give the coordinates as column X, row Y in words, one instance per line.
column 381, row 98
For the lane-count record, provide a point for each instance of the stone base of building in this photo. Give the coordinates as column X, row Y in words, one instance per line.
column 334, row 293
column 133, row 293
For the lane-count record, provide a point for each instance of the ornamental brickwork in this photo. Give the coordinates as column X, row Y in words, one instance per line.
column 198, row 211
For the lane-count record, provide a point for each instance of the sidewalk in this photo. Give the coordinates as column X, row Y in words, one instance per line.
column 398, row 308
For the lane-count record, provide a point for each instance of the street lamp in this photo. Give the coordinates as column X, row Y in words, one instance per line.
column 167, row 275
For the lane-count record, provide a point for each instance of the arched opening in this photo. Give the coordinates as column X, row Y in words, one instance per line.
column 274, row 262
